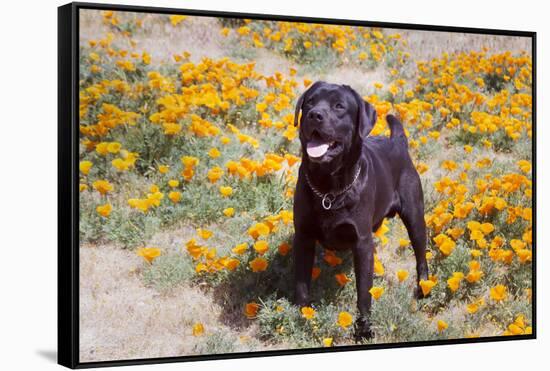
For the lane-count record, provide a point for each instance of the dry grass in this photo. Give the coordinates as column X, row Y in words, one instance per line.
column 161, row 40
column 122, row 319
column 111, row 291
column 199, row 36
column 425, row 45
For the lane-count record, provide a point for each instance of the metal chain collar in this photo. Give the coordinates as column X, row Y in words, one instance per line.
column 328, row 198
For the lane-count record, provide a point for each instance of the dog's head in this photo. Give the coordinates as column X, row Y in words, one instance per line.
column 334, row 121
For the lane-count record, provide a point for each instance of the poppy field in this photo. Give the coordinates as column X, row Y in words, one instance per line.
column 188, row 162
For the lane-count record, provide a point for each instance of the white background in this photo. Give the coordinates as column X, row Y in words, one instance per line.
column 28, row 182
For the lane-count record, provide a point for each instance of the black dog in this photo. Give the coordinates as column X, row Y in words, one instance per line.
column 348, row 183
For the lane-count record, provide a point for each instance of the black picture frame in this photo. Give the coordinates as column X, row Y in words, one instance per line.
column 68, row 176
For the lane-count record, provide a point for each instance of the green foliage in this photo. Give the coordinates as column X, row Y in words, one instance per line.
column 218, row 342
column 395, row 316
column 130, row 229
column 280, row 321
column 168, row 271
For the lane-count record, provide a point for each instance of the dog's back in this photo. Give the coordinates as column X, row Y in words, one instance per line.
column 393, row 151
column 390, row 161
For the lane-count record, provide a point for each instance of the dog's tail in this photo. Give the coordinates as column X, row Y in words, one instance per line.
column 397, row 130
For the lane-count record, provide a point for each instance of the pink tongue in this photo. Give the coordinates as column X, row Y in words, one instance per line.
column 316, row 150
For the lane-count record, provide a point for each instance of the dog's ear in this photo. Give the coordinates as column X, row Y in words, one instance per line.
column 301, row 101
column 367, row 118
column 366, row 115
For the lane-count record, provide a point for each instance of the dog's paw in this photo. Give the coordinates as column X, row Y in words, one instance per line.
column 363, row 330
column 301, row 301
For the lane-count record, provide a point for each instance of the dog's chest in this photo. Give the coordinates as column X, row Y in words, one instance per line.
column 336, row 230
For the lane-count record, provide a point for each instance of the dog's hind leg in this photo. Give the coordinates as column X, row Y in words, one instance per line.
column 412, row 213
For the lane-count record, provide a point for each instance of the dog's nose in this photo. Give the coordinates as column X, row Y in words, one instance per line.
column 315, row 115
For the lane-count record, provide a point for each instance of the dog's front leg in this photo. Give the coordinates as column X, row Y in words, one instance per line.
column 304, row 253
column 363, row 260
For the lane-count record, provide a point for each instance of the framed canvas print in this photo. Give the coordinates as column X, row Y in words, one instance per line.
column 236, row 185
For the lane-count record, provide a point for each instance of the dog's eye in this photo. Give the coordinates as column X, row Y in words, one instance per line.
column 309, row 102
column 339, row 106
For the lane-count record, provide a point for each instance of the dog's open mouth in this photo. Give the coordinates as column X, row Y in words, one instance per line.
column 318, row 147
